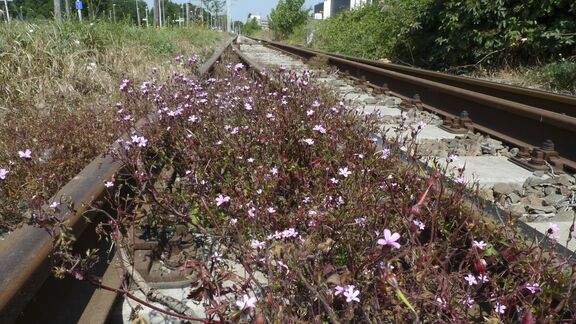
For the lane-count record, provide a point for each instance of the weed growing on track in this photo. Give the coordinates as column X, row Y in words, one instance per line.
column 288, row 182
column 59, row 87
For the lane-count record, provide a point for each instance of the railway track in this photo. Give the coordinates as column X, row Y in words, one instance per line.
column 541, row 124
column 25, row 256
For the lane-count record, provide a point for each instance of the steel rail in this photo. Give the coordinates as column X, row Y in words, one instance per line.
column 560, row 103
column 25, row 261
column 510, row 121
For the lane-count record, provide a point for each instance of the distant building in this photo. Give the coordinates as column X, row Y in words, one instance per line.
column 328, row 8
column 262, row 22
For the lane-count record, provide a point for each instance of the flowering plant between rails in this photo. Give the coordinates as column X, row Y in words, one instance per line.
column 287, row 183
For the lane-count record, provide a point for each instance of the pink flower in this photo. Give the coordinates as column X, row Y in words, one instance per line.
column 390, row 239
column 452, row 158
column 246, row 302
column 344, row 172
column 3, row 174
column 480, row 245
column 308, row 141
column 319, row 129
column 499, row 308
column 310, row 112
column 468, row 302
column 124, row 85
column 233, row 221
column 460, row 180
column 338, row 290
column 274, row 170
column 334, row 180
column 553, row 228
column 471, row 280
column 27, row 154
column 535, row 288
column 109, row 184
column 351, row 294
column 271, row 210
column 238, row 66
column 139, row 140
column 385, row 153
column 222, row 199
column 420, row 225
column 282, row 265
column 247, row 106
column 483, row 278
column 255, row 244
column 421, row 125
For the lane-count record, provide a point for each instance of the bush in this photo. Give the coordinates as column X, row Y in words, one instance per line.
column 456, row 33
column 440, row 34
column 287, row 15
column 287, row 182
column 376, row 29
column 557, row 76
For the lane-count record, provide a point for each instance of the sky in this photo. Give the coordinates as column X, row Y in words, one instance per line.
column 241, row 8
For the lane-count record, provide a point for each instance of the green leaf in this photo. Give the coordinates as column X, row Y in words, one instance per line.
column 403, row 298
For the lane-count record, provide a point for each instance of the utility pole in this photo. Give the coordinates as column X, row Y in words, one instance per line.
column 160, row 13
column 156, row 13
column 57, row 10
column 228, row 17
column 187, row 14
column 147, row 22
column 67, row 8
column 137, row 13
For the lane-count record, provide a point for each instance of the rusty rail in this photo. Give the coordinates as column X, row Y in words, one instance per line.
column 525, row 118
column 25, row 255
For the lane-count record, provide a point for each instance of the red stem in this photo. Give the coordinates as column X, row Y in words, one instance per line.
column 122, row 292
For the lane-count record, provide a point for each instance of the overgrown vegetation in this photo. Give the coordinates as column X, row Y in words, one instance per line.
column 461, row 36
column 250, row 27
column 287, row 182
column 446, row 34
column 371, row 31
column 287, row 15
column 59, row 89
column 559, row 76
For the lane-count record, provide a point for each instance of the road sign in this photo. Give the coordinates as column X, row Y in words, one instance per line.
column 79, row 5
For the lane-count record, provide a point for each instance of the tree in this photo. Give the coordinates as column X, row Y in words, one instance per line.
column 250, row 27
column 215, row 8
column 287, row 15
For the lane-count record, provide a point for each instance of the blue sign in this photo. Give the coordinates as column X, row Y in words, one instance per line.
column 79, row 5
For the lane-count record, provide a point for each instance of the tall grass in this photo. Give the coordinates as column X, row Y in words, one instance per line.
column 59, row 87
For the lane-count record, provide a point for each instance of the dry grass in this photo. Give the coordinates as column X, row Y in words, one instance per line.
column 59, row 87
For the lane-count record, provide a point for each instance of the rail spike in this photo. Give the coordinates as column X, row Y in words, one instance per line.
column 458, row 125
column 540, row 158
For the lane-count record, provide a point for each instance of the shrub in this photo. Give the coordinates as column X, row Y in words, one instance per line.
column 455, row 33
column 287, row 15
column 557, row 76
